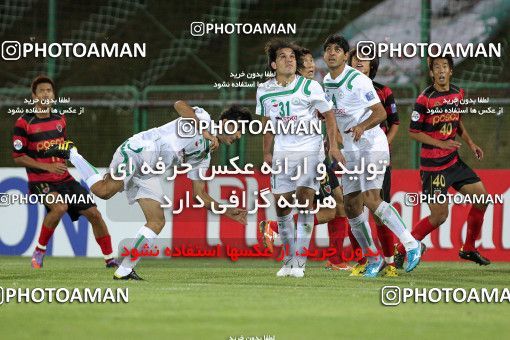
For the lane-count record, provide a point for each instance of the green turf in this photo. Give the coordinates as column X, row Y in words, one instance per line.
column 212, row 299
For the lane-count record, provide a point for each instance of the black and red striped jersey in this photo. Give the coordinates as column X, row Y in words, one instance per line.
column 32, row 136
column 388, row 102
column 436, row 115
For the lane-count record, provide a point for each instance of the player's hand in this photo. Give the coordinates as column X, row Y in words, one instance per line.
column 356, row 131
column 213, row 139
column 477, row 151
column 237, row 214
column 449, row 144
column 336, row 155
column 268, row 158
column 56, row 168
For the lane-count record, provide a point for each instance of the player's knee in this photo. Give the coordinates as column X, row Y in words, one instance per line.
column 439, row 217
column 305, row 198
column 480, row 206
column 282, row 211
column 157, row 225
column 102, row 192
column 59, row 209
column 372, row 205
column 93, row 215
column 351, row 209
column 339, row 198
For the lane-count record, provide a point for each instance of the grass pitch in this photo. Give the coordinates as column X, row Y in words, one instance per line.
column 217, row 299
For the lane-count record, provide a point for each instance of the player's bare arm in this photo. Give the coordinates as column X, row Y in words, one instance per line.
column 236, row 214
column 426, row 139
column 377, row 117
column 392, row 132
column 478, row 152
column 332, row 131
column 186, row 111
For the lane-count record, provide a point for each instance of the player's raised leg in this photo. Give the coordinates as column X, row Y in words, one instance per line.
column 104, row 188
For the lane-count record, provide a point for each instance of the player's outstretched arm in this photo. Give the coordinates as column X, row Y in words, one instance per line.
column 467, row 138
column 236, row 214
column 377, row 117
column 186, row 111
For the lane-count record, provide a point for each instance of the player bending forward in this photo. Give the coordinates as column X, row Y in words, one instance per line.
column 150, row 146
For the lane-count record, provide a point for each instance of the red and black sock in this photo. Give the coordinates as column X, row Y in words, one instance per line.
column 356, row 249
column 386, row 239
column 422, row 229
column 44, row 237
column 474, row 226
column 336, row 232
column 105, row 243
column 274, row 226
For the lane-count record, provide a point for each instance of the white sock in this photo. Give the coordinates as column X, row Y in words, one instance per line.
column 303, row 236
column 286, row 229
column 87, row 171
column 145, row 236
column 390, row 217
column 389, row 260
column 361, row 231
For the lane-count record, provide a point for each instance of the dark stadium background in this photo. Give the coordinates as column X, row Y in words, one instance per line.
column 193, row 64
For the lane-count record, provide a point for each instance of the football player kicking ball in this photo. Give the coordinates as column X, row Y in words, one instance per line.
column 290, row 98
column 390, row 127
column 440, row 165
column 359, row 112
column 48, row 176
column 335, row 218
column 160, row 143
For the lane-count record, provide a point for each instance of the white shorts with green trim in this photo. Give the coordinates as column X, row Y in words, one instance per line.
column 369, row 168
column 129, row 158
column 283, row 182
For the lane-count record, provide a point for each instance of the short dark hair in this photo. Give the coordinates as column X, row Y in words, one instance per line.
column 336, row 39
column 275, row 44
column 42, row 79
column 236, row 112
column 302, row 51
column 374, row 63
column 447, row 57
